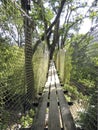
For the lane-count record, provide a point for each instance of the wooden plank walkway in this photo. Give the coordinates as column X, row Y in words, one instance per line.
column 53, row 112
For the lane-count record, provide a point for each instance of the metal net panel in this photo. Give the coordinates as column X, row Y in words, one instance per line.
column 81, row 95
column 22, row 73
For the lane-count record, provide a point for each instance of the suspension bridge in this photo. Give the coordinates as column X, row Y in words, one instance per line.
column 34, row 91
column 53, row 112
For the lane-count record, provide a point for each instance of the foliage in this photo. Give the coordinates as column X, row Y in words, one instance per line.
column 27, row 120
column 81, row 65
column 73, row 92
column 84, row 63
column 88, row 119
column 87, row 83
column 10, row 68
column 12, row 79
column 11, row 23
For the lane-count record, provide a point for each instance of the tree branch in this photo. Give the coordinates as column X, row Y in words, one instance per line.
column 57, row 17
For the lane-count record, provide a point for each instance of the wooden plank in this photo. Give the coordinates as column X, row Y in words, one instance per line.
column 54, row 122
column 67, row 120
column 39, row 122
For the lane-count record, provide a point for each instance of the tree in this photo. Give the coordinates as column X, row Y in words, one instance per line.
column 28, row 53
column 11, row 22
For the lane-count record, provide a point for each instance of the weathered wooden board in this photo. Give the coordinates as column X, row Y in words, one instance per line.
column 68, row 122
column 54, row 121
column 39, row 122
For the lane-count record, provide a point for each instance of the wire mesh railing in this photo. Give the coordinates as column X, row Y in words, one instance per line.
column 23, row 66
column 80, row 92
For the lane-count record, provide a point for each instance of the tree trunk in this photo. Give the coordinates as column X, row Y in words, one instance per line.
column 55, row 39
column 29, row 75
column 28, row 62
